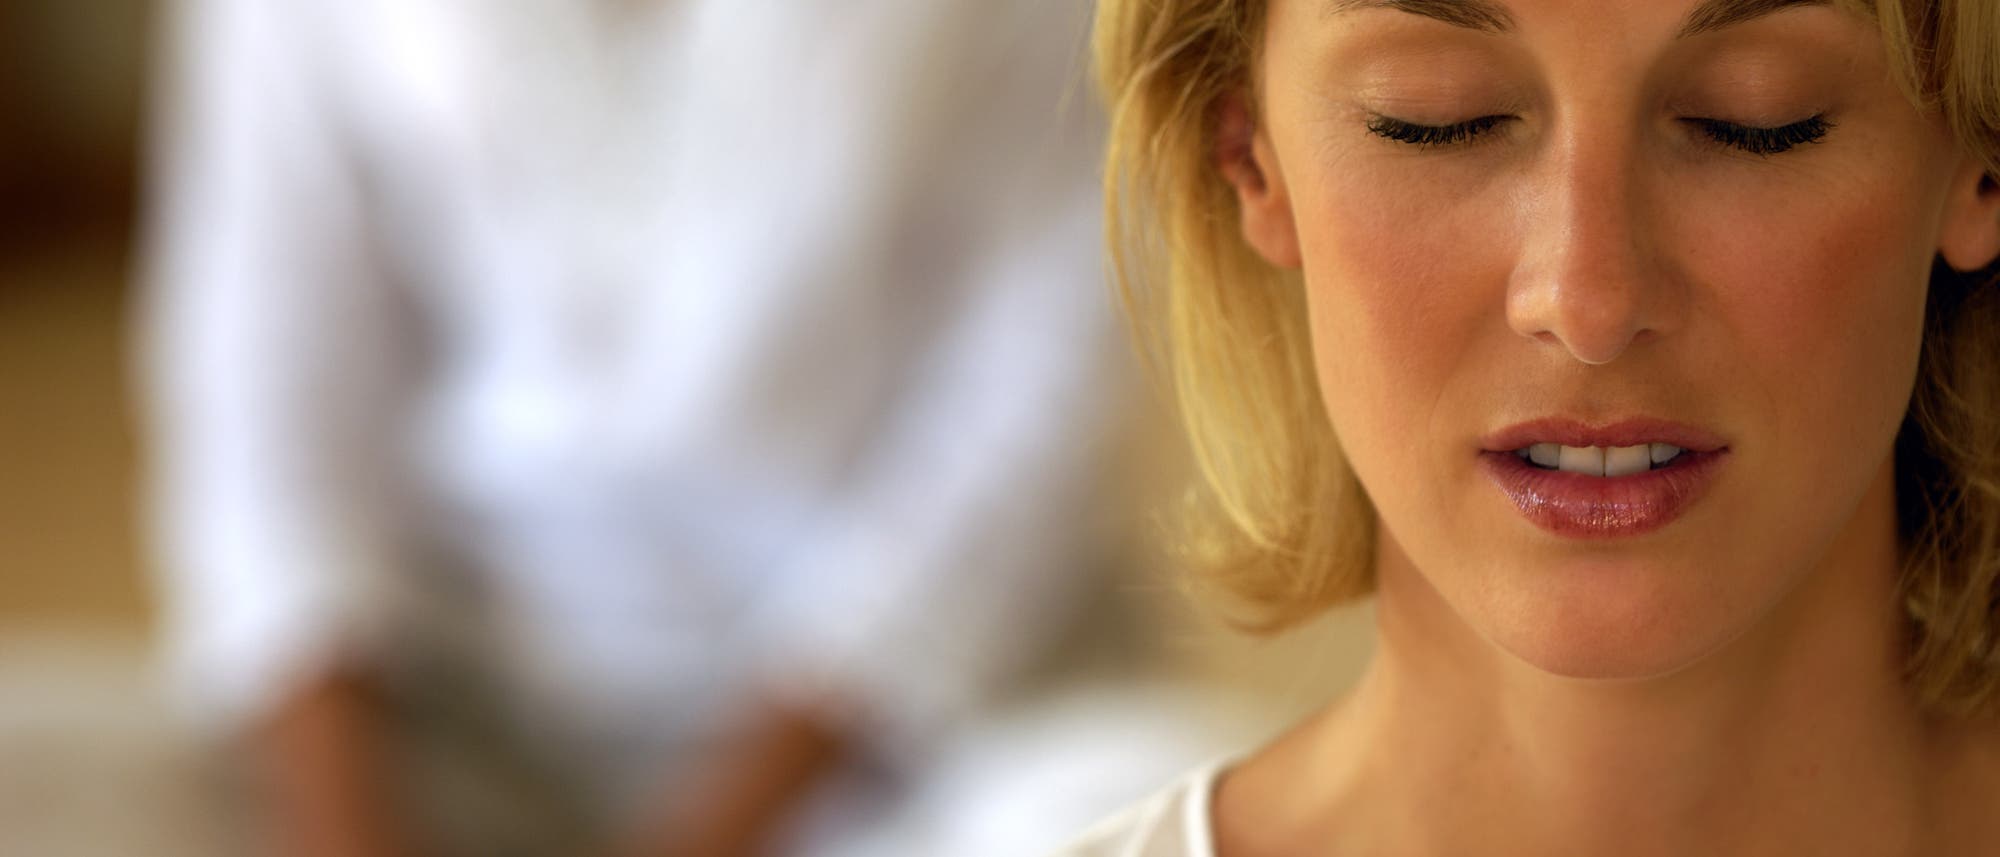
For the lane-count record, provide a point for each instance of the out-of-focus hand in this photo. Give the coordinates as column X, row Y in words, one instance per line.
column 732, row 804
column 324, row 767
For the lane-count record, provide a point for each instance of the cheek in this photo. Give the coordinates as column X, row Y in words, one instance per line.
column 1826, row 310
column 1397, row 295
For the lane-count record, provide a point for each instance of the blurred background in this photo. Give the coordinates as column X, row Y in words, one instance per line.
column 93, row 759
column 83, row 767
column 70, row 90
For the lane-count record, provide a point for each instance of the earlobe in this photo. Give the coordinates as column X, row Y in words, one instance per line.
column 1244, row 156
column 1970, row 237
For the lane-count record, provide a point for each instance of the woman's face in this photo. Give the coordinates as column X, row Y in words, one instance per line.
column 1595, row 224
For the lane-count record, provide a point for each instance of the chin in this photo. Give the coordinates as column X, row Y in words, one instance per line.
column 1605, row 621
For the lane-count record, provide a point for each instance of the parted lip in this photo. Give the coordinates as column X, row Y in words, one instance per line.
column 1631, row 431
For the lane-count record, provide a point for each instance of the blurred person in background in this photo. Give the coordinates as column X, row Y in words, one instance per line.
column 621, row 427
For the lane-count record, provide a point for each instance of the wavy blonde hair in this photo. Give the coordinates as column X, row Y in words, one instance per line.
column 1278, row 523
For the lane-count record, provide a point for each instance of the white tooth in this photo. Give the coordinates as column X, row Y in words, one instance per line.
column 1581, row 459
column 1664, row 452
column 1626, row 460
column 1544, row 454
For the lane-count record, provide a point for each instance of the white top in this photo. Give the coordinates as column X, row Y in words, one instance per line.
column 1172, row 823
column 643, row 352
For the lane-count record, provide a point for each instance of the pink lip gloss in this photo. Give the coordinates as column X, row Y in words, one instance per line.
column 1580, row 506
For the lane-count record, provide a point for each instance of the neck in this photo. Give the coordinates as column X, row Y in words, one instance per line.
column 1798, row 737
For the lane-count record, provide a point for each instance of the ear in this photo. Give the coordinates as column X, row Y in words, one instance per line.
column 1969, row 238
column 1246, row 160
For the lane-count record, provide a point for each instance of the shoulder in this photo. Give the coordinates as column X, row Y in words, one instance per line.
column 1174, row 822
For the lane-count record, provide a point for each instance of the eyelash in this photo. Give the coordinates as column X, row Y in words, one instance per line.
column 1765, row 141
column 1762, row 142
column 1431, row 136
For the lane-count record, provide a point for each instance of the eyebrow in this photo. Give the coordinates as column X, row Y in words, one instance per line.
column 1490, row 16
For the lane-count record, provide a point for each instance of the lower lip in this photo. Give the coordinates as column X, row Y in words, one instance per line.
column 1597, row 507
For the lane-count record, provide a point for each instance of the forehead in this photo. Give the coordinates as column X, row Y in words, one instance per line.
column 1642, row 35
column 1495, row 16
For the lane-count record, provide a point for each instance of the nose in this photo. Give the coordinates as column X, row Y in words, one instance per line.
column 1589, row 276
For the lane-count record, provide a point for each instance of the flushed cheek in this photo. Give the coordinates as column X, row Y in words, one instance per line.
column 1828, row 311
column 1398, row 293
column 1394, row 310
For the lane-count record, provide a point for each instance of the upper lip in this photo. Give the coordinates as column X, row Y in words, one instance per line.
column 1632, row 431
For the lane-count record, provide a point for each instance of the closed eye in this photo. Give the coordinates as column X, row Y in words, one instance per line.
column 1764, row 142
column 1431, row 136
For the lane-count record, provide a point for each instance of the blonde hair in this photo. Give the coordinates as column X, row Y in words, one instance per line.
column 1280, row 526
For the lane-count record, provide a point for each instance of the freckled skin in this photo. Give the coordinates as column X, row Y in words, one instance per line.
column 1776, row 300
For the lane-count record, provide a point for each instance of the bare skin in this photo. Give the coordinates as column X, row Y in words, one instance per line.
column 326, row 764
column 1797, row 739
column 746, row 790
column 1582, row 246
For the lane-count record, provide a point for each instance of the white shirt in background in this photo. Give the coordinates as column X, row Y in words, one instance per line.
column 641, row 355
